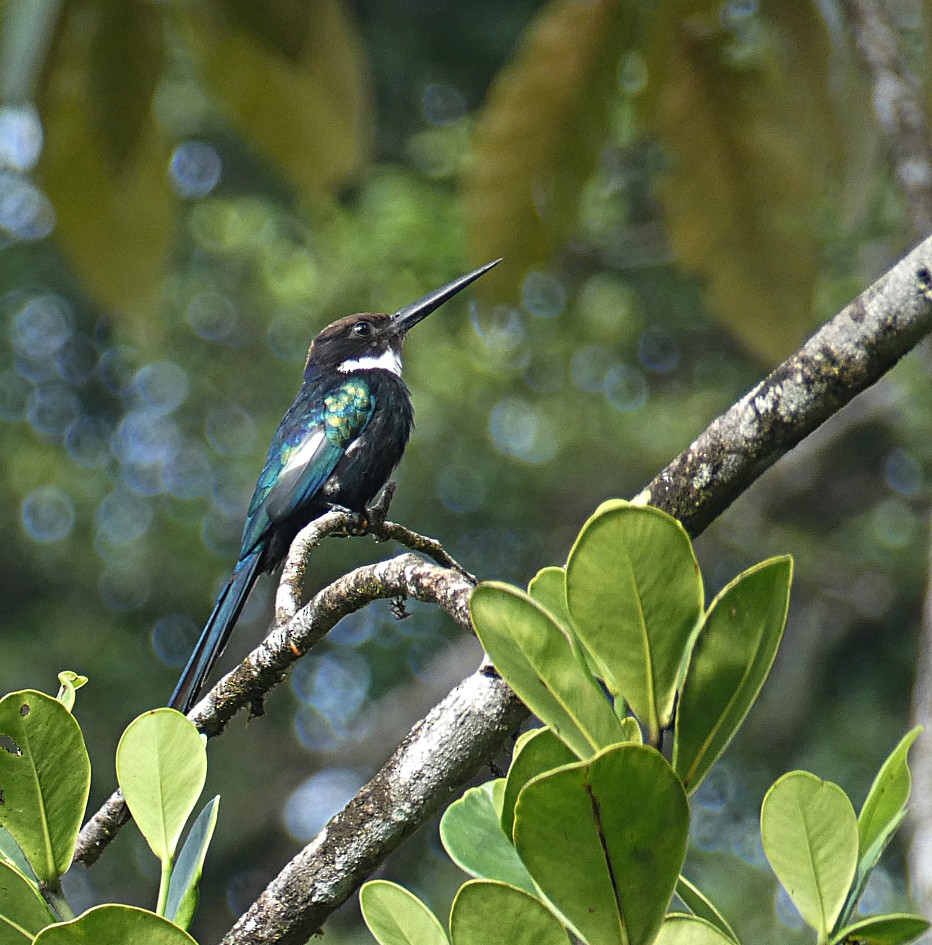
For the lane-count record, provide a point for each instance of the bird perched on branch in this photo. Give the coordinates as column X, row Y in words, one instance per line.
column 335, row 448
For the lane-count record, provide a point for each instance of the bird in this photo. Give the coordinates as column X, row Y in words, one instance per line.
column 334, row 449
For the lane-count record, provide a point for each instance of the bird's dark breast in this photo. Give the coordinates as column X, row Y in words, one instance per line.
column 365, row 466
column 370, row 459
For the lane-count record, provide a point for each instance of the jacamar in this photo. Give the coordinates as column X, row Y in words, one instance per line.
column 335, row 448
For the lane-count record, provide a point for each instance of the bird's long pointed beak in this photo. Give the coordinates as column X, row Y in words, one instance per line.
column 406, row 318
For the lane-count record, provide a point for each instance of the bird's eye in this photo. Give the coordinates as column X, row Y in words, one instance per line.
column 362, row 329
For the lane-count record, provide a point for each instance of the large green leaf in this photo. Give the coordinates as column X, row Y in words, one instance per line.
column 810, row 836
column 23, row 911
column 729, row 663
column 115, row 925
column 161, row 764
column 305, row 104
column 516, row 917
column 544, row 667
column 881, row 816
column 888, row 795
column 750, row 129
column 397, row 917
column 108, row 183
column 678, row 929
column 635, row 597
column 605, row 840
column 46, row 776
column 183, row 888
column 536, row 752
column 472, row 835
column 896, row 929
column 540, row 134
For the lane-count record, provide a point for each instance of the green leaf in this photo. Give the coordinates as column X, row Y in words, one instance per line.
column 307, row 109
column 679, row 929
column 888, row 795
column 472, row 835
column 728, row 666
column 70, row 684
column 397, row 917
column 161, row 764
column 46, row 777
column 810, row 836
column 749, row 127
column 183, row 888
column 540, row 134
column 892, row 929
column 605, row 840
column 632, row 731
column 115, row 925
column 535, row 752
column 548, row 588
column 883, row 812
column 635, row 597
column 544, row 667
column 23, row 911
column 701, row 907
column 114, row 225
column 516, row 917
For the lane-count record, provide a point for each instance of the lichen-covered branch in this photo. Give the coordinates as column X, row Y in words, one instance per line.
column 466, row 729
column 842, row 359
column 442, row 751
column 406, row 575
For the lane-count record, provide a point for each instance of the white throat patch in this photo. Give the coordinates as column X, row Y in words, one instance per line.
column 388, row 360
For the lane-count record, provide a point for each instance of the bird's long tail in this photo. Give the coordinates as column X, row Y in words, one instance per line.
column 216, row 632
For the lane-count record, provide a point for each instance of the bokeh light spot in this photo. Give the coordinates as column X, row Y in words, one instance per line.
column 194, row 169
column 625, row 387
column 543, row 294
column 51, row 408
column 20, row 137
column 122, row 518
column 230, row 430
column 317, row 799
column 902, row 473
column 25, row 212
column 187, row 474
column 518, row 430
column 658, row 350
column 588, row 367
column 213, row 316
column 173, row 638
column 335, row 684
column 162, row 386
column 87, row 440
column 460, row 488
column 48, row 514
column 442, row 104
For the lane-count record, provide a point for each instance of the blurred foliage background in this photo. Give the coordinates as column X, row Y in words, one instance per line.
column 189, row 191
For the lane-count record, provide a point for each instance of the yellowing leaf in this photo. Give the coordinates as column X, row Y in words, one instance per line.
column 309, row 113
column 744, row 113
column 540, row 134
column 114, row 219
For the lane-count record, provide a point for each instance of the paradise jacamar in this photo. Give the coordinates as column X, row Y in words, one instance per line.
column 335, row 448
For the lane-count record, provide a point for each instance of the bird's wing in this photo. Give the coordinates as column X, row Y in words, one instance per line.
column 306, row 449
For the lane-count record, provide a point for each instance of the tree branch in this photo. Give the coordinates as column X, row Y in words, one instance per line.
column 841, row 360
column 467, row 728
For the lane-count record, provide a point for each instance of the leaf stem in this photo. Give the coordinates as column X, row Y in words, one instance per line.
column 164, row 883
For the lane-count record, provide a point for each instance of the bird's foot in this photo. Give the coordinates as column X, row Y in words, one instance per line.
column 358, row 524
